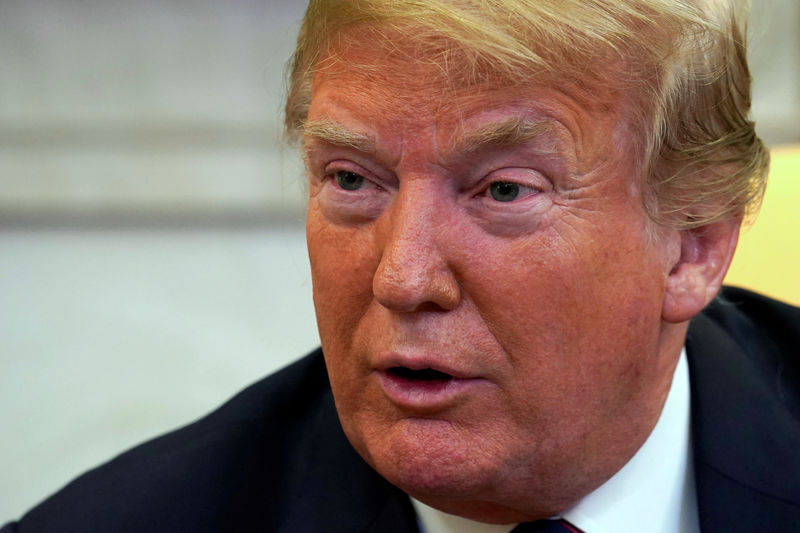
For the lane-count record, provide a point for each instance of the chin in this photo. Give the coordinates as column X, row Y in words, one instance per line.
column 463, row 472
column 459, row 484
column 430, row 459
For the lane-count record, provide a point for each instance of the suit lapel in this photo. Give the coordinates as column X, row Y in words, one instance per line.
column 338, row 491
column 746, row 440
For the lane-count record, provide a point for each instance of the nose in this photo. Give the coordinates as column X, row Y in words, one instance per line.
column 414, row 273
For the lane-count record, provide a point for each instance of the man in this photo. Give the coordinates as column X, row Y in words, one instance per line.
column 517, row 211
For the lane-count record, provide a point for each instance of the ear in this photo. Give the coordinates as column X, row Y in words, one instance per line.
column 696, row 277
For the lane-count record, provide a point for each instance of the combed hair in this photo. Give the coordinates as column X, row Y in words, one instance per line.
column 680, row 64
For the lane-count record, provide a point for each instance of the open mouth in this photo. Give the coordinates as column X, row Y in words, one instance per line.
column 426, row 390
column 425, row 374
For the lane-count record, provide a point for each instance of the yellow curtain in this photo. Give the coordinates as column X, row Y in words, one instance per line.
column 767, row 259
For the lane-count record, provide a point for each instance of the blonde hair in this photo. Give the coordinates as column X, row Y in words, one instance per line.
column 682, row 62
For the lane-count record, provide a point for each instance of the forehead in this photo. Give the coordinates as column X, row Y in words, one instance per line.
column 441, row 68
column 403, row 93
column 394, row 86
column 402, row 81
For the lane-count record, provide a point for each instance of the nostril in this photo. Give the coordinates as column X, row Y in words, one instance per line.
column 425, row 374
column 410, row 279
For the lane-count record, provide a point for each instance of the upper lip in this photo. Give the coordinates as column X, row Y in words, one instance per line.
column 391, row 360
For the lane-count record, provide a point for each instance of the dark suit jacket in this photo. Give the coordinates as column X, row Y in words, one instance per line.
column 274, row 458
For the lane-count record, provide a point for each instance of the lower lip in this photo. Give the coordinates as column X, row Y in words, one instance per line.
column 423, row 395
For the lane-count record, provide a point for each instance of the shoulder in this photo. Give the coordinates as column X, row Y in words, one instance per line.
column 749, row 341
column 752, row 336
column 744, row 367
column 222, row 469
column 752, row 318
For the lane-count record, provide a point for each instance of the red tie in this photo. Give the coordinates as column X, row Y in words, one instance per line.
column 546, row 526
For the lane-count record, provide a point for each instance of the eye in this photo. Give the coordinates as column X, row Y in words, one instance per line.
column 511, row 186
column 504, row 191
column 349, row 181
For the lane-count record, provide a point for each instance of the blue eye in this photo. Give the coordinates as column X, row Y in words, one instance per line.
column 349, row 181
column 504, row 191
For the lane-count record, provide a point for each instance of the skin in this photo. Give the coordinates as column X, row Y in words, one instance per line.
column 560, row 318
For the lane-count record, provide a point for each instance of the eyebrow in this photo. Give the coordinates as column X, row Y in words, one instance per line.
column 331, row 132
column 511, row 132
column 504, row 133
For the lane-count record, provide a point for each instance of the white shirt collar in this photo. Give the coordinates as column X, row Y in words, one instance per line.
column 653, row 492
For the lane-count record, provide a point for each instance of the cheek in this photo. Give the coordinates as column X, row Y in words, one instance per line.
column 342, row 267
column 587, row 310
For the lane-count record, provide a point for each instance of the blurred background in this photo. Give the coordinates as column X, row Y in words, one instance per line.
column 152, row 257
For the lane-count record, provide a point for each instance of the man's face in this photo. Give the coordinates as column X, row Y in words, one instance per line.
column 488, row 301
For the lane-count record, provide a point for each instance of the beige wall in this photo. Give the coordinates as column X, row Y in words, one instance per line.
column 775, row 61
column 147, row 107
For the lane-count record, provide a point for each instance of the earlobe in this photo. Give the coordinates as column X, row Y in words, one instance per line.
column 696, row 277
